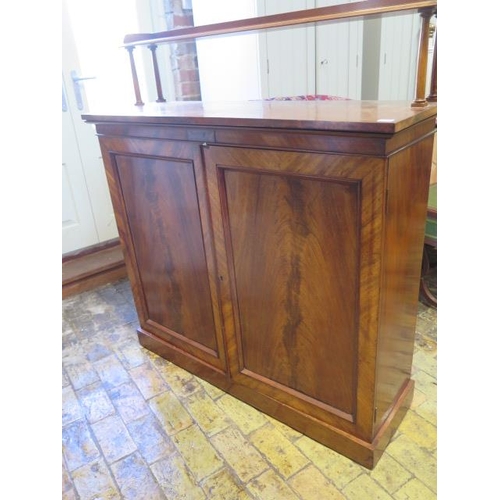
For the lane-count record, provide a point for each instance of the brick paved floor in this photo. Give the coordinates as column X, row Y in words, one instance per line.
column 135, row 426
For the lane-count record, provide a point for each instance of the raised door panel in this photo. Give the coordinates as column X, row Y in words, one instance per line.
column 296, row 281
column 168, row 242
column 160, row 198
column 300, row 231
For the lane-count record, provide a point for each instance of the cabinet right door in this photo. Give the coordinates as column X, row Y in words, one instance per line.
column 299, row 261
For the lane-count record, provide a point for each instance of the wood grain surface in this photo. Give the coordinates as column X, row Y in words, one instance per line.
column 302, row 236
column 384, row 117
column 296, row 251
column 285, row 270
column 160, row 198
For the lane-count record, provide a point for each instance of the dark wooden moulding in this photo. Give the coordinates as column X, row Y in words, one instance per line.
column 274, row 250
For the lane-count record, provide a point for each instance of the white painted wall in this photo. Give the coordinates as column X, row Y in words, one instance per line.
column 228, row 65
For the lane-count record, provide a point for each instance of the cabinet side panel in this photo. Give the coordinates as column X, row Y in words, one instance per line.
column 295, row 245
column 408, row 186
column 164, row 220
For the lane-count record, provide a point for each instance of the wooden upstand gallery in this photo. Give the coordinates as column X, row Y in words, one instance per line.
column 274, row 249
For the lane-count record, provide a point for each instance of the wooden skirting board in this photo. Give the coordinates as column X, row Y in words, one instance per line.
column 91, row 267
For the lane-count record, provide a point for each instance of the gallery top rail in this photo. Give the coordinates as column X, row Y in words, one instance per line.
column 334, row 12
column 426, row 8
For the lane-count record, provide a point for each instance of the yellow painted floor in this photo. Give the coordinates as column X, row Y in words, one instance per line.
column 135, row 426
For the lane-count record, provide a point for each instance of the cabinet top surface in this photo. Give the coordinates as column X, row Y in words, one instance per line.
column 384, row 117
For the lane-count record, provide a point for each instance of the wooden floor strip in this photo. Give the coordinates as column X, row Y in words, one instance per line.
column 91, row 267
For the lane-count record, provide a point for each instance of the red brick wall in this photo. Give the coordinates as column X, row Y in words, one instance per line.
column 184, row 59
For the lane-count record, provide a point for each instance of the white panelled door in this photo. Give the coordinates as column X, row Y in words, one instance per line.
column 87, row 213
column 323, row 58
column 327, row 58
column 287, row 55
column 82, row 214
column 78, row 227
column 95, row 74
column 398, row 56
column 339, row 54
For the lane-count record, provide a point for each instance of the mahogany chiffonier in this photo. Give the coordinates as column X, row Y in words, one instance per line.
column 274, row 250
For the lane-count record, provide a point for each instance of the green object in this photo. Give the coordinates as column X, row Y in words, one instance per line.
column 431, row 224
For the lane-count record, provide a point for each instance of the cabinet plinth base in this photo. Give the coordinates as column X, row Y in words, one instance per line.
column 363, row 452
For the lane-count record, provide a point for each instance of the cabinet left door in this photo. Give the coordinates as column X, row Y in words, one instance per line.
column 158, row 188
